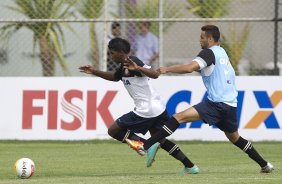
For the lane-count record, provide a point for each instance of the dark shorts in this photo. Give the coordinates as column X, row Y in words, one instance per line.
column 219, row 114
column 138, row 124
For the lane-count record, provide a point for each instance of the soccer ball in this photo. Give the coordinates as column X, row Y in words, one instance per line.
column 24, row 168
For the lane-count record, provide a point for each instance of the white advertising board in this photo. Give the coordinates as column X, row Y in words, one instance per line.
column 82, row 108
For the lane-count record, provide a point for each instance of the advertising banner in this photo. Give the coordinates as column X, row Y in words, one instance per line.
column 82, row 108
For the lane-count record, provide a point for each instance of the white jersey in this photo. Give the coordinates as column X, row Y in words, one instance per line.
column 147, row 101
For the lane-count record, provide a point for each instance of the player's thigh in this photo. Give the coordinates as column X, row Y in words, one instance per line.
column 188, row 115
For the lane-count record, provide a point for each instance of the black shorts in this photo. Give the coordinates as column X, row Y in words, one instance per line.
column 219, row 114
column 138, row 124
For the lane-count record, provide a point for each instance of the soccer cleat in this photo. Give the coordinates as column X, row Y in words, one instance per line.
column 137, row 146
column 151, row 153
column 267, row 169
column 193, row 170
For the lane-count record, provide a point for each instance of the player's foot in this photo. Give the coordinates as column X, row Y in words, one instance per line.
column 193, row 170
column 137, row 146
column 267, row 169
column 151, row 153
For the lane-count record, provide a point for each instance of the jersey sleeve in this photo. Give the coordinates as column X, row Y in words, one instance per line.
column 139, row 63
column 136, row 60
column 205, row 58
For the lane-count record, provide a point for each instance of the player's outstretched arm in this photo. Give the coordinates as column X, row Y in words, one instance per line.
column 146, row 71
column 91, row 70
column 182, row 68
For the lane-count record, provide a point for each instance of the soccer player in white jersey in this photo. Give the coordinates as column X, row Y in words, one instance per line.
column 220, row 107
column 149, row 112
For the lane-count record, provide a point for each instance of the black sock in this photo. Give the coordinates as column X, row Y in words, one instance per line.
column 126, row 134
column 175, row 151
column 248, row 148
column 135, row 137
column 166, row 130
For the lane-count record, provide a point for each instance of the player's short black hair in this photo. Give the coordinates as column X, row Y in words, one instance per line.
column 119, row 45
column 212, row 30
column 115, row 25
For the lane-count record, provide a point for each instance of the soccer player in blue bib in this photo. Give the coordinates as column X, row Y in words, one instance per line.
column 149, row 113
column 220, row 107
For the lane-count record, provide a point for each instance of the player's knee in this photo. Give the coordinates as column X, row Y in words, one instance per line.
column 178, row 117
column 233, row 137
column 111, row 131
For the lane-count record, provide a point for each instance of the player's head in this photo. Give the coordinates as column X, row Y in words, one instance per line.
column 116, row 29
column 119, row 49
column 210, row 36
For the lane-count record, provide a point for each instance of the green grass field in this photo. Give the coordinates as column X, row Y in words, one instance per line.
column 112, row 162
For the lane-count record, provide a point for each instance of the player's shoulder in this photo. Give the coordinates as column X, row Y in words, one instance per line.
column 208, row 56
column 137, row 60
column 206, row 52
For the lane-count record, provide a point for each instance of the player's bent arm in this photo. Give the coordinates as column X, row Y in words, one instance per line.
column 148, row 72
column 184, row 68
column 105, row 75
column 91, row 70
column 145, row 71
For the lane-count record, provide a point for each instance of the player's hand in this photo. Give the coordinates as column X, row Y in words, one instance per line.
column 87, row 69
column 162, row 70
column 130, row 65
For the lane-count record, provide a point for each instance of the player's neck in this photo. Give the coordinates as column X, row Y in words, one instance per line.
column 213, row 44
